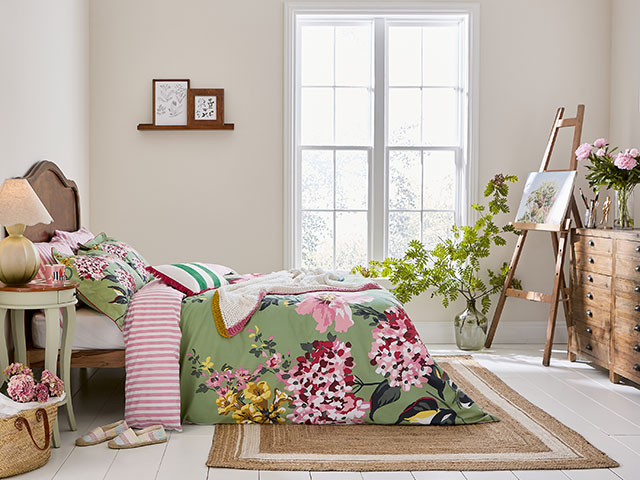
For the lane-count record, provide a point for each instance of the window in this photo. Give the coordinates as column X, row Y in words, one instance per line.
column 378, row 132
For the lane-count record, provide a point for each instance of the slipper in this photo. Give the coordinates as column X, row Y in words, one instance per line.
column 102, row 434
column 148, row 436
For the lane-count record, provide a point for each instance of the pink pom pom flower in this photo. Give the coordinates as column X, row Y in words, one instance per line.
column 21, row 388
column 41, row 392
column 53, row 383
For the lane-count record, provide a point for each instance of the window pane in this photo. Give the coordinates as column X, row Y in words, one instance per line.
column 440, row 55
column 403, row 227
column 435, row 227
column 317, row 240
column 439, row 116
column 317, row 179
column 317, row 55
column 439, row 180
column 353, row 55
column 404, row 116
column 317, row 116
column 352, row 180
column 405, row 180
column 351, row 239
column 405, row 60
column 353, row 116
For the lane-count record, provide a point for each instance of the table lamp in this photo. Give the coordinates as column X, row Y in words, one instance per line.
column 19, row 207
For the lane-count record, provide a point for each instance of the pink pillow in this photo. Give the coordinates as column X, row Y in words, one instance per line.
column 46, row 256
column 72, row 239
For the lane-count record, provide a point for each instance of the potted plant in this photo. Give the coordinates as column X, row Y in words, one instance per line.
column 452, row 267
column 620, row 173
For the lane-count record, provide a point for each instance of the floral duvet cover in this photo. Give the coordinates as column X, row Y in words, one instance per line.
column 316, row 358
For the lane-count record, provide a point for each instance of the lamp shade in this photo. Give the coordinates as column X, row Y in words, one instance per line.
column 19, row 204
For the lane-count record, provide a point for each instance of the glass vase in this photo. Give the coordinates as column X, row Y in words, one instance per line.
column 471, row 328
column 623, row 215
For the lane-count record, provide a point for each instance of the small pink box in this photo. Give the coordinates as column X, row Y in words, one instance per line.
column 54, row 274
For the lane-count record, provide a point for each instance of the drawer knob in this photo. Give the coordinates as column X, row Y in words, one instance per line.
column 637, row 327
column 590, row 278
column 637, row 289
column 590, row 296
column 636, row 367
column 636, row 348
column 592, row 244
column 589, row 313
column 637, row 268
column 638, row 249
column 591, row 260
column 588, row 347
column 637, row 308
column 589, row 330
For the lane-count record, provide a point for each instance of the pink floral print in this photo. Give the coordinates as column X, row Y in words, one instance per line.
column 331, row 308
column 321, row 386
column 92, row 268
column 398, row 352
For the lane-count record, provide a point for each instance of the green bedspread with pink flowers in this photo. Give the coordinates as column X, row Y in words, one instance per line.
column 316, row 358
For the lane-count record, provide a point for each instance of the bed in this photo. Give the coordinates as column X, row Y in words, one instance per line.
column 316, row 357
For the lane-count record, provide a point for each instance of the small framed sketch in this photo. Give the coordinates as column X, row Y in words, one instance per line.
column 170, row 102
column 546, row 197
column 206, row 107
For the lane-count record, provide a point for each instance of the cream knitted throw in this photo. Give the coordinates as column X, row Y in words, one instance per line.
column 233, row 305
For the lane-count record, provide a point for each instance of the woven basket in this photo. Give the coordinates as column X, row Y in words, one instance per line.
column 25, row 440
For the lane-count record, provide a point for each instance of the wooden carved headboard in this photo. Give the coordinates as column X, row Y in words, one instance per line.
column 59, row 195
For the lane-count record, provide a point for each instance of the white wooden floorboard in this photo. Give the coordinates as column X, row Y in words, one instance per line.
column 336, row 476
column 630, row 441
column 540, row 475
column 139, row 463
column 283, row 475
column 386, row 476
column 231, row 474
column 185, row 457
column 438, row 475
column 501, row 475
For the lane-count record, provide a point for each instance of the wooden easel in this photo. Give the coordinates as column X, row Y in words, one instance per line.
column 559, row 234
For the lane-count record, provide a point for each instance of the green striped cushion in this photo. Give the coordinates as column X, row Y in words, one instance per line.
column 191, row 278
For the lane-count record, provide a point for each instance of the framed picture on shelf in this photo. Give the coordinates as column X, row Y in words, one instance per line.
column 546, row 197
column 170, row 102
column 206, row 107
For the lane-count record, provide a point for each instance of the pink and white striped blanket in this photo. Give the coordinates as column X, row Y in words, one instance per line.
column 152, row 357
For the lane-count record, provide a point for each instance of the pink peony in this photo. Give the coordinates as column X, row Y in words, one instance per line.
column 625, row 160
column 634, row 152
column 331, row 307
column 583, row 151
column 601, row 153
column 41, row 392
column 600, row 142
column 21, row 388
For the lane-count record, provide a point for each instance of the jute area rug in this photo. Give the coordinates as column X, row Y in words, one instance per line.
column 526, row 438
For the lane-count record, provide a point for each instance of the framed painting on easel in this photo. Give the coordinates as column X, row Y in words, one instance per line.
column 545, row 199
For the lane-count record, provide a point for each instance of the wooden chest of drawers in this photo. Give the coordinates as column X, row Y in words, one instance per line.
column 605, row 300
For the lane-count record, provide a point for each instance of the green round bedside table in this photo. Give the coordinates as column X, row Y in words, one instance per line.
column 50, row 298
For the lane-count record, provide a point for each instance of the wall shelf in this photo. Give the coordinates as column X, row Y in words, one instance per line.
column 149, row 126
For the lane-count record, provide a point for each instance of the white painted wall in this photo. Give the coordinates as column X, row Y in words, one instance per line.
column 44, row 88
column 217, row 196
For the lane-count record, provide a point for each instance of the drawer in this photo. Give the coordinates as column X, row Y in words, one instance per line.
column 591, row 296
column 594, row 263
column 594, row 315
column 627, row 308
column 626, row 327
column 627, row 248
column 592, row 348
column 628, row 267
column 583, row 277
column 592, row 331
column 627, row 356
column 589, row 245
column 628, row 288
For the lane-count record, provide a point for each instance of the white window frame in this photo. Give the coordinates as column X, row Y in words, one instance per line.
column 466, row 182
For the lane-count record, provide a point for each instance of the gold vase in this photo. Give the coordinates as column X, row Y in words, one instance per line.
column 19, row 259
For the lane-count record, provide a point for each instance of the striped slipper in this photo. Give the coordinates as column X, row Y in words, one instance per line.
column 148, row 436
column 102, row 434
